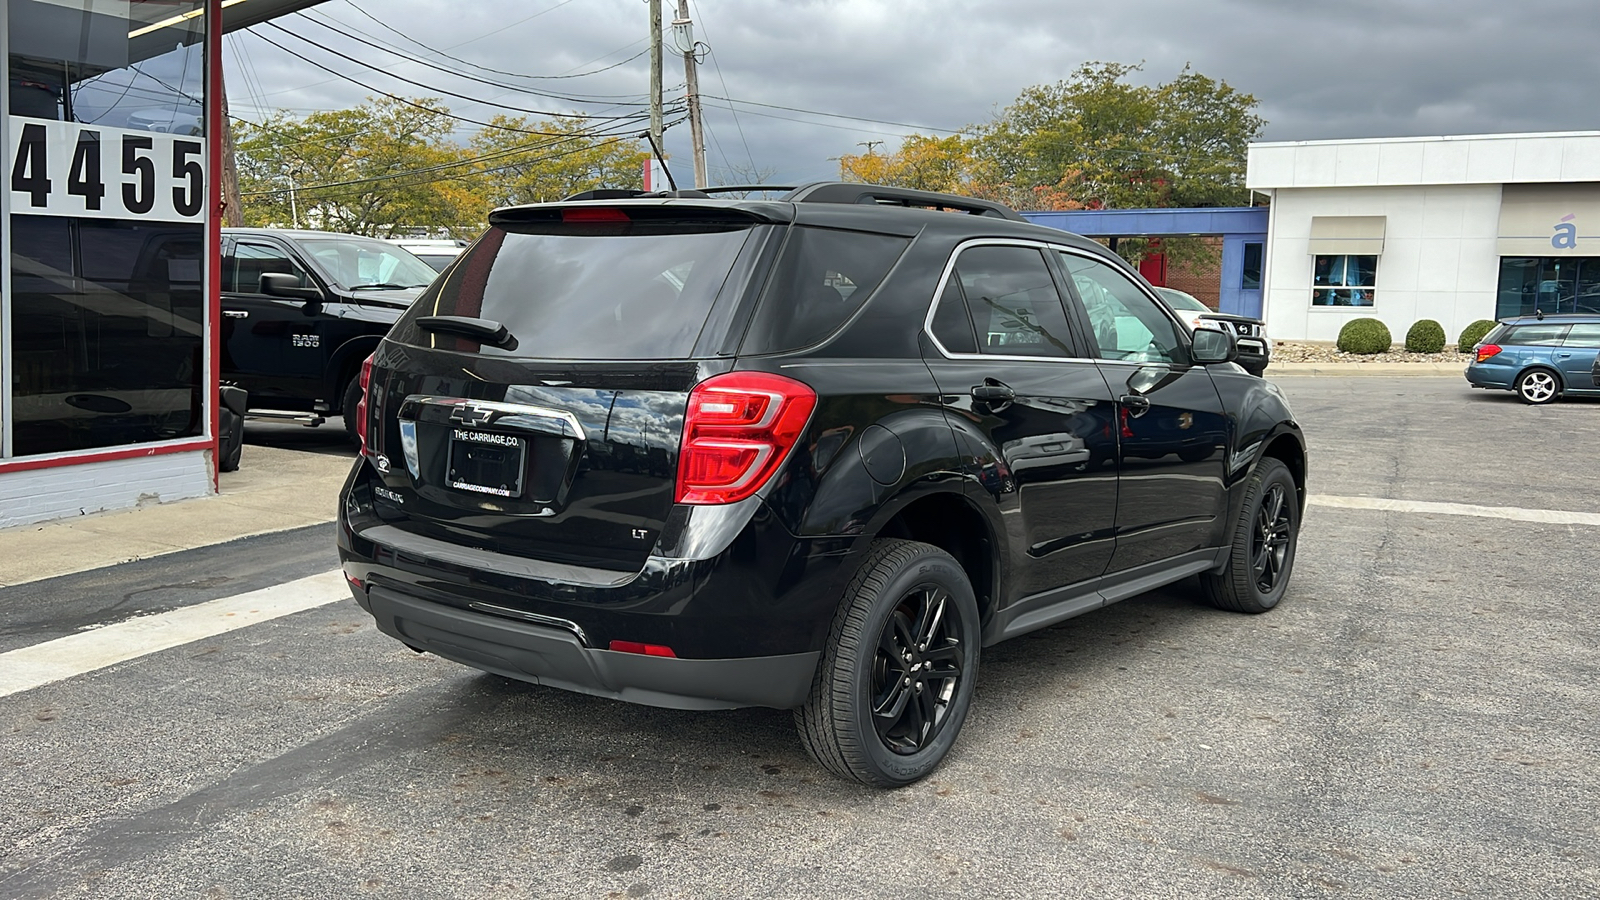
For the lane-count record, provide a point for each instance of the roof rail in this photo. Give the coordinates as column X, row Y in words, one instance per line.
column 875, row 194
column 746, row 188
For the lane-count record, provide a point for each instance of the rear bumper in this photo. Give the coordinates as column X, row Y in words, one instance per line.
column 1490, row 376
column 551, row 655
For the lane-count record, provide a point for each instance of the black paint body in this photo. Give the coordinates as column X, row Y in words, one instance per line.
column 1061, row 501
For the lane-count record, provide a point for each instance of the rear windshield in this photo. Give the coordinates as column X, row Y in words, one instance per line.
column 824, row 276
column 602, row 292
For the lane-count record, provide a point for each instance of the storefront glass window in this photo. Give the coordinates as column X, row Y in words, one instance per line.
column 1548, row 284
column 107, row 179
column 1344, row 280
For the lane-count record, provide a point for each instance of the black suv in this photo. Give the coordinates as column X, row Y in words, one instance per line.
column 809, row 453
column 302, row 309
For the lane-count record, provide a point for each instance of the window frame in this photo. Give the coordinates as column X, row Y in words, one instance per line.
column 1068, row 303
column 1371, row 289
column 230, row 258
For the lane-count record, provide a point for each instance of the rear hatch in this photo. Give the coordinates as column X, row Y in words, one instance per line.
column 532, row 400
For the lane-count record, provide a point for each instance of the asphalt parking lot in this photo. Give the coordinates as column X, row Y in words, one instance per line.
column 1418, row 719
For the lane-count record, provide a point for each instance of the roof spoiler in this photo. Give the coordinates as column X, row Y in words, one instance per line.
column 827, row 192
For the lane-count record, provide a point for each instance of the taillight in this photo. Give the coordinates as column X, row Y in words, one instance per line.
column 361, row 405
column 738, row 429
column 1487, row 350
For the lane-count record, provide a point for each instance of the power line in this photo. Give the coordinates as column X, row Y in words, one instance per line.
column 613, row 99
column 718, row 67
column 830, row 115
column 474, row 65
column 409, row 102
column 410, row 81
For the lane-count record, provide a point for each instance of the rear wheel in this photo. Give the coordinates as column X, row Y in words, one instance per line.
column 1261, row 557
column 896, row 680
column 1537, row 386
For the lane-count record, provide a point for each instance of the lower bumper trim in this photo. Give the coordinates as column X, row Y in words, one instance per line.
column 554, row 656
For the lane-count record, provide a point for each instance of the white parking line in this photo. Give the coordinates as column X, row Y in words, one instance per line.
column 30, row 667
column 1515, row 513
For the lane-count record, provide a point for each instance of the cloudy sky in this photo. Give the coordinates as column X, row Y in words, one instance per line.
column 1320, row 68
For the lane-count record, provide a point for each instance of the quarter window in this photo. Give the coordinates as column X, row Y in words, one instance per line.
column 1011, row 303
column 1344, row 280
column 1128, row 323
column 1537, row 335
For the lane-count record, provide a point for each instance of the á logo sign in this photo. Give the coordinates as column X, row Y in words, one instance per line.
column 1566, row 236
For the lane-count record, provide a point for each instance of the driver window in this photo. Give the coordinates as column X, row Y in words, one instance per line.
column 1128, row 324
column 251, row 261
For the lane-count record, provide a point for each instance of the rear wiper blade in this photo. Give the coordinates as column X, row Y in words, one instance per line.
column 486, row 330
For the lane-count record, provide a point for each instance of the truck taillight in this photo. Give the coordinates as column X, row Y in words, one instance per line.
column 361, row 405
column 738, row 429
column 1487, row 350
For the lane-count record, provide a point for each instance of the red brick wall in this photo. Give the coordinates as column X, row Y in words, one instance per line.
column 1203, row 281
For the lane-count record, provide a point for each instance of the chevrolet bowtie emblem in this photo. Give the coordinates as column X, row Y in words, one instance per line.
column 467, row 414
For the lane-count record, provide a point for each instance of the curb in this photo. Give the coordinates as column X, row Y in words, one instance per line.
column 1435, row 370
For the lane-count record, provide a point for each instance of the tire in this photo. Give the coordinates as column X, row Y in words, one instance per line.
column 230, row 448
column 903, row 589
column 1538, row 386
column 1261, row 557
column 352, row 397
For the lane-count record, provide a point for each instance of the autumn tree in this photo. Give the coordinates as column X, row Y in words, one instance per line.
column 375, row 169
column 567, row 158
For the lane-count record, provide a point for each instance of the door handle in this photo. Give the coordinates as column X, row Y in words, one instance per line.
column 992, row 391
column 1135, row 404
column 1563, row 355
column 236, row 313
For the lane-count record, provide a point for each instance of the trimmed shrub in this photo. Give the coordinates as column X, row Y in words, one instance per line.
column 1472, row 334
column 1364, row 336
column 1427, row 336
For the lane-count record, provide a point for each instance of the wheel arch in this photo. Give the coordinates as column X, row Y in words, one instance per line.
column 345, row 363
column 1287, row 448
column 949, row 520
column 1542, row 366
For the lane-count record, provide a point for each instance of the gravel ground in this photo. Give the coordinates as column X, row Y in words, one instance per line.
column 1298, row 352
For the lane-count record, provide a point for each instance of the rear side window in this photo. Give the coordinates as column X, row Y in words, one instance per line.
column 1537, row 335
column 823, row 277
column 1012, row 302
column 602, row 292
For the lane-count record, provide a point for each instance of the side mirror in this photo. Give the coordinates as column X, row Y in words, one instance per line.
column 282, row 284
column 1212, row 346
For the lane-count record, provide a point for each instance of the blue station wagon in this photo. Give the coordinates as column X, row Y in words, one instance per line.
column 1540, row 357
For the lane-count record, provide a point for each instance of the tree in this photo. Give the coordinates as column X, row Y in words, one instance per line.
column 381, row 167
column 1092, row 141
column 923, row 163
column 523, row 168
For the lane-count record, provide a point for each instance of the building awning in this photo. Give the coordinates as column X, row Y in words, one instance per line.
column 1549, row 220
column 1360, row 235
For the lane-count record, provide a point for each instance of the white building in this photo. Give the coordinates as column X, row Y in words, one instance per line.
column 1452, row 228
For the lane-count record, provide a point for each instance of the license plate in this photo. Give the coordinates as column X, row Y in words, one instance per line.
column 486, row 463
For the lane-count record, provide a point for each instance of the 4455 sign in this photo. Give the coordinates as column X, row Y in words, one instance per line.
column 73, row 169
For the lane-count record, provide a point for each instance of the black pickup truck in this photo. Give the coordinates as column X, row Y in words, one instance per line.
column 302, row 309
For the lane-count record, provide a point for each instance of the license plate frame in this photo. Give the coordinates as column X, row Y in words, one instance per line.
column 487, row 463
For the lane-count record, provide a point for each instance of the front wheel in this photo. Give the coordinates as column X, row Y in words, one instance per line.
column 1537, row 386
column 1261, row 556
column 896, row 680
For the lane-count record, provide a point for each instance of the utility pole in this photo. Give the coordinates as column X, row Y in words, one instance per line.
column 869, row 145
column 683, row 41
column 656, row 129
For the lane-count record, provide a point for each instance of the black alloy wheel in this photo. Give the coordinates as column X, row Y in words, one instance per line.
column 896, row 680
column 917, row 670
column 1269, row 545
column 1261, row 555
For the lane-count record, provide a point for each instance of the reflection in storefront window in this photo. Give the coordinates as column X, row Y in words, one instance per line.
column 1566, row 284
column 107, row 101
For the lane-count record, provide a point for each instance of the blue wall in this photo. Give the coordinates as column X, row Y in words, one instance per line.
column 1237, row 226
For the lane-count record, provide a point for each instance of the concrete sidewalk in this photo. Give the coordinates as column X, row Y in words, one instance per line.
column 1280, row 370
column 274, row 490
